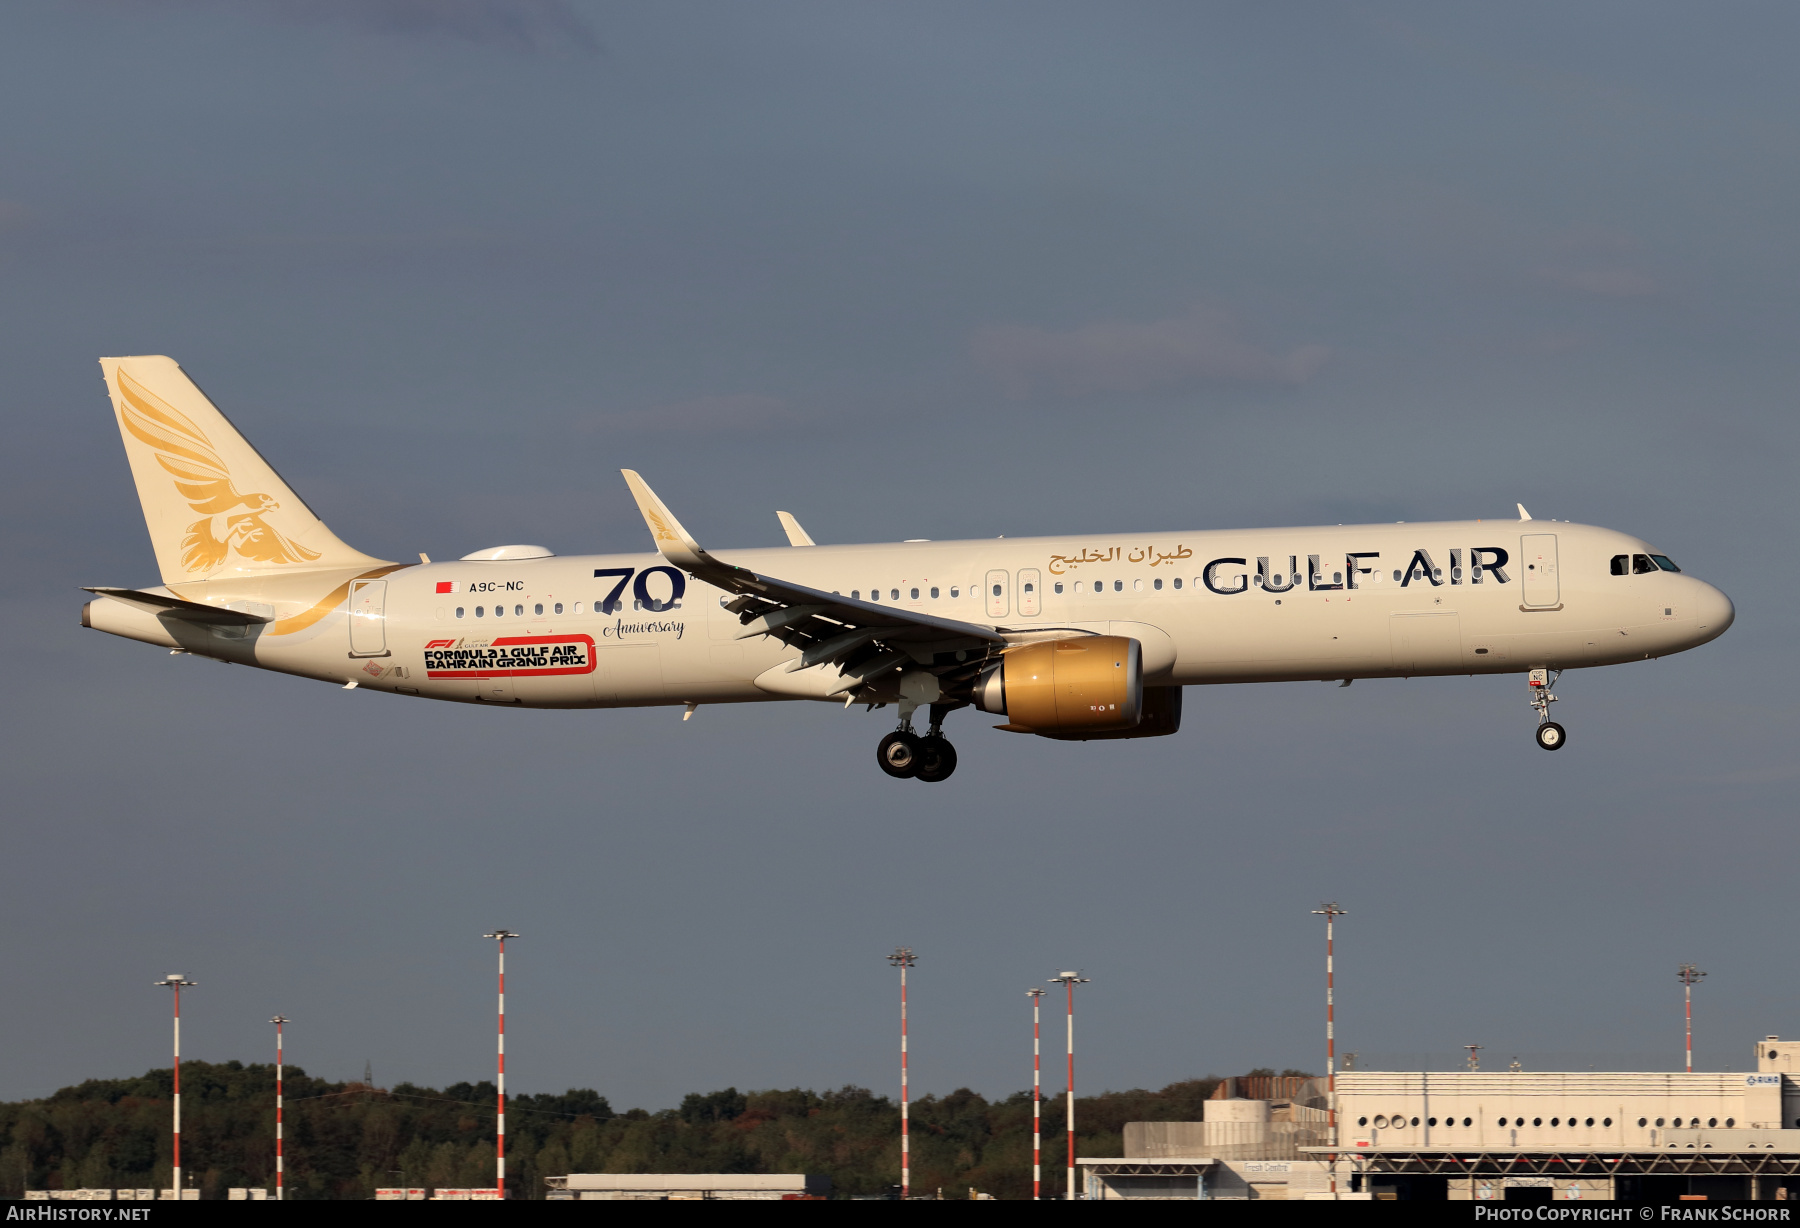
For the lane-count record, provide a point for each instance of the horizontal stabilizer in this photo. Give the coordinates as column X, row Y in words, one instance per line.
column 189, row 611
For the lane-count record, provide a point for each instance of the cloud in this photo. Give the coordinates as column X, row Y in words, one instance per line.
column 738, row 414
column 1607, row 283
column 1123, row 356
column 520, row 25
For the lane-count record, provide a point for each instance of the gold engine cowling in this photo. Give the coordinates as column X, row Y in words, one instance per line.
column 1090, row 683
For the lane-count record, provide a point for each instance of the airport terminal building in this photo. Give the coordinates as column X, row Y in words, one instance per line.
column 1519, row 1136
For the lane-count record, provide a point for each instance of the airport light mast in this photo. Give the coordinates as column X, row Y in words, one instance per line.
column 1689, row 976
column 1331, row 912
column 1070, row 980
column 1037, row 1096
column 280, row 1190
column 176, row 981
column 500, row 936
column 903, row 958
column 1474, row 1058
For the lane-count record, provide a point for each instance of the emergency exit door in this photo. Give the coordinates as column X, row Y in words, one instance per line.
column 998, row 602
column 368, row 618
column 1537, row 569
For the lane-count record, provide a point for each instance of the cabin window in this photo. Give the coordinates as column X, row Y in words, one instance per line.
column 1157, row 584
column 1468, row 1121
column 1590, row 1121
column 894, row 593
column 1730, row 1122
column 1537, row 1121
column 519, row 611
column 558, row 608
column 874, row 594
column 578, row 607
column 1396, row 577
column 1431, row 1121
column 1059, row 586
column 1118, row 586
column 1415, row 1121
column 1621, row 564
column 856, row 594
column 953, row 590
column 996, row 590
column 1137, row 586
column 538, row 608
column 934, row 594
column 1608, row 1122
column 915, row 594
column 1030, row 587
column 1556, row 1121
column 1337, row 577
column 1659, row 1121
column 1664, row 561
column 459, row 611
column 1177, row 581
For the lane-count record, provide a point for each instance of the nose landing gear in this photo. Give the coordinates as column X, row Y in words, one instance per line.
column 1550, row 735
column 931, row 758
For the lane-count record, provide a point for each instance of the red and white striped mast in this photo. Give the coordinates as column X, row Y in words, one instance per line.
column 500, row 936
column 1689, row 976
column 1070, row 980
column 902, row 958
column 1331, row 912
column 1037, row 1097
column 175, row 981
column 280, row 1185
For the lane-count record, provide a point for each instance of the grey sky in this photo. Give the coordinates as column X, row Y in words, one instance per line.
column 919, row 270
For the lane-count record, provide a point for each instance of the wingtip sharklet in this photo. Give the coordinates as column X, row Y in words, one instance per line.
column 1523, row 514
column 673, row 541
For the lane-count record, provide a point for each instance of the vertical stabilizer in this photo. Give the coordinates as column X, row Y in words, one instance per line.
column 214, row 506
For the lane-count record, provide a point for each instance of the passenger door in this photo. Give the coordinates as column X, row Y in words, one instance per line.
column 1537, row 569
column 368, row 618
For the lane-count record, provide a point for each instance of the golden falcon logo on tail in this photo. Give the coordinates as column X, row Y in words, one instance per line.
column 228, row 520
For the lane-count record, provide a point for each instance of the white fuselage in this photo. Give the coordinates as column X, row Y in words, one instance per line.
column 543, row 633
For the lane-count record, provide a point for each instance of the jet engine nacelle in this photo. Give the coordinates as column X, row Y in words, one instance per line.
column 1092, row 683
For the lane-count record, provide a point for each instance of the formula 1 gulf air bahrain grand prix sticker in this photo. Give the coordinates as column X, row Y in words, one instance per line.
column 514, row 656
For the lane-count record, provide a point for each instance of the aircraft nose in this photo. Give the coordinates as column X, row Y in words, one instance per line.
column 1714, row 612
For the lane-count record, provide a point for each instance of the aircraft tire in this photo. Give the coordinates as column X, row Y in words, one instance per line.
column 937, row 759
column 898, row 754
column 1551, row 736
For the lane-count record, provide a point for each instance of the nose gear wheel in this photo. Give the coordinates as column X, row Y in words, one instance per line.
column 1550, row 735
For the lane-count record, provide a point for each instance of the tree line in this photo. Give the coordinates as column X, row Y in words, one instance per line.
column 343, row 1140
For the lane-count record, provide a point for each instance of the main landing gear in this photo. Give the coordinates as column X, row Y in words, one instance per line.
column 1550, row 735
column 931, row 758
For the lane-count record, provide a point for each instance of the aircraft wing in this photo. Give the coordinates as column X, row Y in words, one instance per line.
column 860, row 637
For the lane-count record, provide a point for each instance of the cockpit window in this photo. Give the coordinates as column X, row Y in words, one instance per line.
column 1663, row 561
column 1642, row 566
column 1621, row 564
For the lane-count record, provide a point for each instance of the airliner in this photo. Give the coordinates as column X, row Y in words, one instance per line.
column 1072, row 638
